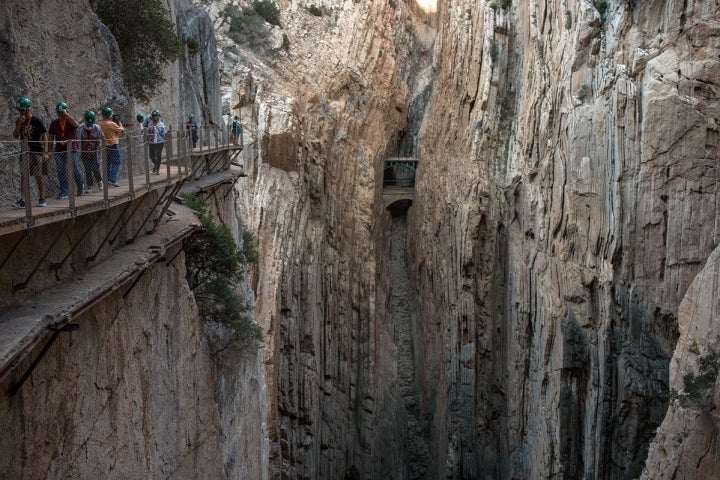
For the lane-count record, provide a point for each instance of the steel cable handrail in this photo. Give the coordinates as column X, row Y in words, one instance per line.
column 65, row 174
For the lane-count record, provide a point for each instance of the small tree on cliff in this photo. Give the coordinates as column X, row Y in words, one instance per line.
column 215, row 265
column 147, row 40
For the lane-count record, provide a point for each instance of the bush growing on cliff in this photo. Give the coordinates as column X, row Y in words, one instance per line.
column 215, row 266
column 698, row 386
column 268, row 10
column 147, row 40
column 246, row 27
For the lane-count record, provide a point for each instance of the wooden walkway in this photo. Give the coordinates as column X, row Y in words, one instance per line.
column 13, row 220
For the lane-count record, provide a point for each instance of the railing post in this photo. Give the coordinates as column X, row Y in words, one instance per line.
column 25, row 179
column 146, row 155
column 168, row 152
column 105, row 169
column 129, row 162
column 70, row 174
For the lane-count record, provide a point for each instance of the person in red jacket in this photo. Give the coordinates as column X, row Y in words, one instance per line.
column 62, row 132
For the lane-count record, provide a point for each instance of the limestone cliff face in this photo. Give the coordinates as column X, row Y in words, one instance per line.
column 565, row 200
column 142, row 389
column 51, row 54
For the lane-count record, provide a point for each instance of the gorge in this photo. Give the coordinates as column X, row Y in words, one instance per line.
column 532, row 312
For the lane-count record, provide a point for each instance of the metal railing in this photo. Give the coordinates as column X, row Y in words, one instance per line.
column 65, row 177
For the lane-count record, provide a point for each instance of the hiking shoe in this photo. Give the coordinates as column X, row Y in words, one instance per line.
column 62, row 196
column 19, row 204
column 114, row 184
column 90, row 190
column 42, row 203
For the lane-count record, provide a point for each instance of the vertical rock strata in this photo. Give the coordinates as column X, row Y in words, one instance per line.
column 566, row 198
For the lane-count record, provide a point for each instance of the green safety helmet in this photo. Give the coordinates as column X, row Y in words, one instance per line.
column 155, row 113
column 106, row 112
column 23, row 103
column 190, row 116
column 61, row 106
column 89, row 116
column 139, row 117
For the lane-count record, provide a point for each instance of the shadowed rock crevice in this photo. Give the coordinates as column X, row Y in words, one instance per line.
column 413, row 435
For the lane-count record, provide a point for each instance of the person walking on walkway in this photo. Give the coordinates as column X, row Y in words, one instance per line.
column 31, row 128
column 63, row 132
column 112, row 130
column 91, row 137
column 155, row 136
column 140, row 118
column 192, row 130
column 236, row 130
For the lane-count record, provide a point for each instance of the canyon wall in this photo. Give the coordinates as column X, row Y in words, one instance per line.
column 518, row 321
column 142, row 388
column 565, row 200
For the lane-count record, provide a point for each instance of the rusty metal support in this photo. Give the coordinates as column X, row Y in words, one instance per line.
column 23, row 285
column 92, row 257
column 160, row 199
column 216, row 160
column 56, row 266
column 124, row 220
column 168, row 201
column 15, row 386
column 14, row 248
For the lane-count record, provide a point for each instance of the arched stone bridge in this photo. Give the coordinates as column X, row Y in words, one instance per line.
column 399, row 181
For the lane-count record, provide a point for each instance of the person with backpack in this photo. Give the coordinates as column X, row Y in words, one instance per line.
column 155, row 136
column 112, row 130
column 192, row 130
column 32, row 128
column 63, row 133
column 236, row 130
column 90, row 137
column 140, row 126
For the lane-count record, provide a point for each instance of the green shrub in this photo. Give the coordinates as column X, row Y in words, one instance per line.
column 247, row 27
column 147, row 40
column 193, row 46
column 698, row 386
column 315, row 10
column 494, row 50
column 215, row 266
column 268, row 10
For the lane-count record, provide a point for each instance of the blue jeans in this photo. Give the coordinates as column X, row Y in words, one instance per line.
column 156, row 155
column 92, row 168
column 60, row 164
column 113, row 163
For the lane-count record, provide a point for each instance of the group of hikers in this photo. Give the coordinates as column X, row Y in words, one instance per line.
column 84, row 140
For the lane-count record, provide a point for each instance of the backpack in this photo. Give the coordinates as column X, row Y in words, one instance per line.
column 90, row 138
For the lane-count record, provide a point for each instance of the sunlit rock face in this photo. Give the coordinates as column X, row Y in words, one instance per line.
column 565, row 200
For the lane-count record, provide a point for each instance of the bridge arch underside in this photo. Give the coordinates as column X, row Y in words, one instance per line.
column 399, row 207
column 398, row 187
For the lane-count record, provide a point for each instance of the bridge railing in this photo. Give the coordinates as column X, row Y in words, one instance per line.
column 399, row 172
column 87, row 172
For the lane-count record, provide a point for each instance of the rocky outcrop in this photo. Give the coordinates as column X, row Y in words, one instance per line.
column 685, row 443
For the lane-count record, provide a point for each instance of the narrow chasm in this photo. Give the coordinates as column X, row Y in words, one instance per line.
column 415, row 441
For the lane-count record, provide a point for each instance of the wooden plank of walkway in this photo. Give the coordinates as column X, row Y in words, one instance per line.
column 13, row 220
